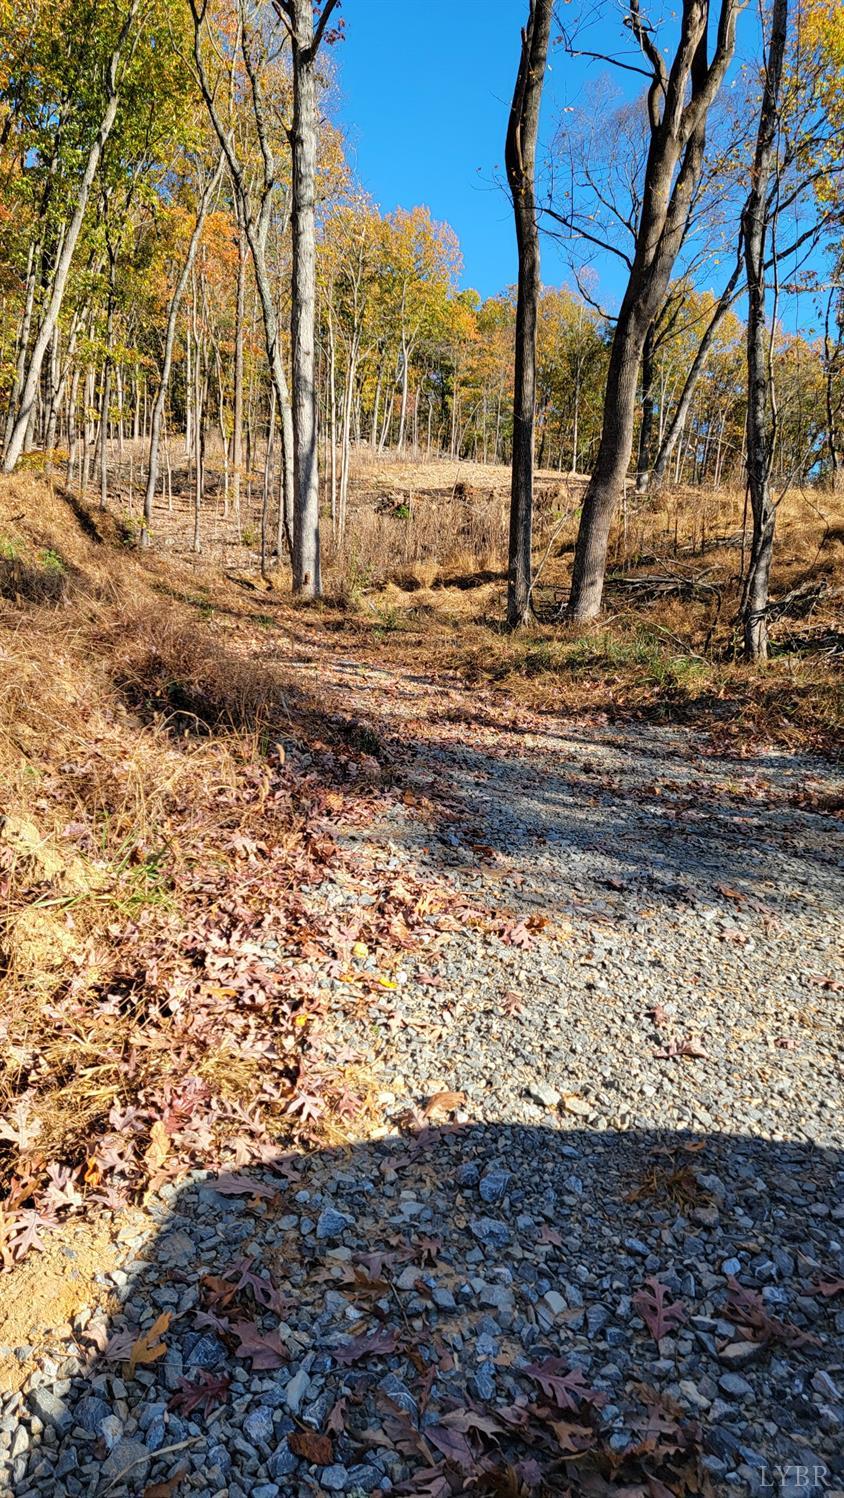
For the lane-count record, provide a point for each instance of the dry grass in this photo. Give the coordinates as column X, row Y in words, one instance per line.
column 132, row 771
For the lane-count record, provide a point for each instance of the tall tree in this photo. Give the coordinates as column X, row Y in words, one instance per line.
column 44, row 336
column 761, row 423
column 520, row 160
column 679, row 99
column 306, row 38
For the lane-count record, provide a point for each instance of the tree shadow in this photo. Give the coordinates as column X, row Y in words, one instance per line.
column 459, row 1309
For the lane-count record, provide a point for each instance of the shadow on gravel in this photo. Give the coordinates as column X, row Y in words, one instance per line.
column 489, row 1309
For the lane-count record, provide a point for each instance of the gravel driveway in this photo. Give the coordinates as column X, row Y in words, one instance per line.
column 610, row 1259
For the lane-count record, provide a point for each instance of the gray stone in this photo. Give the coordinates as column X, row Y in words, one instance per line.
column 734, row 1385
column 332, row 1224
column 296, row 1391
column 127, row 1456
column 493, row 1185
column 335, row 1478
column 90, row 1413
column 282, row 1462
column 258, row 1424
column 548, row 1096
column 50, row 1408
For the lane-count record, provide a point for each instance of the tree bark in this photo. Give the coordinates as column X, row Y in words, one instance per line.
column 679, row 99
column 520, row 159
column 307, row 582
column 761, row 425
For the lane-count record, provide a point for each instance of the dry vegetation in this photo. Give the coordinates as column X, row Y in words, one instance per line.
column 150, row 832
column 431, row 577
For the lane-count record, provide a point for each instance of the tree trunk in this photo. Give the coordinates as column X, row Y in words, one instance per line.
column 169, row 342
column 520, row 158
column 240, row 316
column 678, row 420
column 679, row 99
column 761, row 426
column 307, row 582
column 643, row 462
column 63, row 263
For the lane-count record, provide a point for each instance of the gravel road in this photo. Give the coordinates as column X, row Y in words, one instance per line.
column 636, row 1010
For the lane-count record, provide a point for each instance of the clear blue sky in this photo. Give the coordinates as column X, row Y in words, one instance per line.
column 424, row 96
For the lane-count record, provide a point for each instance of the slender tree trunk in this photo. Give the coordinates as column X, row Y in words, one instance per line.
column 646, row 429
column 169, row 342
column 678, row 420
column 63, row 263
column 761, row 426
column 307, row 582
column 520, row 157
column 240, row 319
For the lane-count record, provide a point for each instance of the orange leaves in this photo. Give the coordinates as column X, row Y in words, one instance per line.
column 149, row 1346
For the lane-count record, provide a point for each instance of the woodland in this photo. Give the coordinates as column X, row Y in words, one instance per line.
column 420, row 728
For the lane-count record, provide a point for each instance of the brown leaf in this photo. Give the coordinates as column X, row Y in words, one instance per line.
column 566, row 1386
column 336, row 1421
column 234, row 1185
column 266, row 1349
column 148, row 1347
column 660, row 1315
column 827, row 1288
column 453, row 1445
column 691, row 1047
column 168, row 1488
column 312, row 1447
column 208, row 1392
column 377, row 1344
column 159, row 1147
column 444, row 1102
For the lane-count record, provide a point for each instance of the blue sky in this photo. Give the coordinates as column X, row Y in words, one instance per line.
column 424, row 96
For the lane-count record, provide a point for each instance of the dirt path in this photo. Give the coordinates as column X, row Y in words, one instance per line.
column 611, row 1258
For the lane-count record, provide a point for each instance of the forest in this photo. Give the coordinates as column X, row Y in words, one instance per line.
column 420, row 742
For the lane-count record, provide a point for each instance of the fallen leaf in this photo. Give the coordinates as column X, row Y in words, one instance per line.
column 444, row 1102
column 265, row 1349
column 159, row 1147
column 312, row 1447
column 168, row 1488
column 660, row 1315
column 148, row 1347
column 377, row 1344
column 691, row 1047
column 206, row 1394
column 232, row 1185
column 566, row 1386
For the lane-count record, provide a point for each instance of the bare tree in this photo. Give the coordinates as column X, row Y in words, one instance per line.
column 761, row 417
column 305, row 37
column 520, row 159
column 679, row 99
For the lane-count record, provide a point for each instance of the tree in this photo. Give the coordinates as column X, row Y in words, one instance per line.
column 761, row 424
column 520, row 160
column 679, row 99
column 298, row 16
column 255, row 191
column 61, row 270
column 207, row 193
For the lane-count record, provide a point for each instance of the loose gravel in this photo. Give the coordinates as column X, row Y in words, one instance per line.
column 638, row 1018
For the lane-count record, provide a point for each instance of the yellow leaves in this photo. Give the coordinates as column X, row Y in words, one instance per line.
column 149, row 1347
